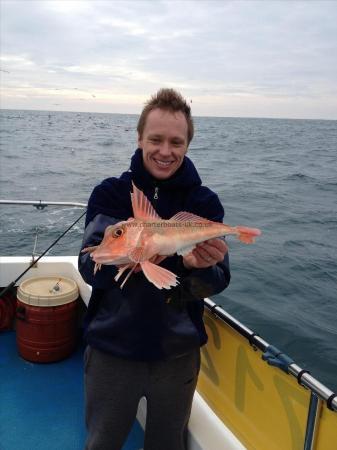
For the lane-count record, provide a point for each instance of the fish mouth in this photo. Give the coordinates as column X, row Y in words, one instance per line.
column 108, row 259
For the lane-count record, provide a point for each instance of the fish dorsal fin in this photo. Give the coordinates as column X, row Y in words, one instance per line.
column 184, row 216
column 142, row 208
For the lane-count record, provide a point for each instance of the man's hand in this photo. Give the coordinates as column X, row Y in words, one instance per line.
column 206, row 254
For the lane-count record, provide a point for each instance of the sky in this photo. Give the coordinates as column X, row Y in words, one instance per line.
column 241, row 58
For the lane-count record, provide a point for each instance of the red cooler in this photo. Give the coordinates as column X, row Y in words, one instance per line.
column 46, row 325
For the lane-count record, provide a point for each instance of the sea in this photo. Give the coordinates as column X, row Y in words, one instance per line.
column 279, row 175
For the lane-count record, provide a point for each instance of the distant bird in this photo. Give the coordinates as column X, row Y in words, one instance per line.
column 84, row 90
column 73, row 88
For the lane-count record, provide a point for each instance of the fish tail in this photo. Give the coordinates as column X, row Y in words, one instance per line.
column 247, row 235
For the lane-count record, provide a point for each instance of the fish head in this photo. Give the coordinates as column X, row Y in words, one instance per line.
column 118, row 241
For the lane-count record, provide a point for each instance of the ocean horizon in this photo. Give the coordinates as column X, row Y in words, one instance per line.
column 194, row 116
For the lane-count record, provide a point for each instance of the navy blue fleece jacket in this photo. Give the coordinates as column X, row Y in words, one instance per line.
column 140, row 321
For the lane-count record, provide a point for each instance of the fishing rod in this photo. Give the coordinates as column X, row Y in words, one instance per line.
column 12, row 284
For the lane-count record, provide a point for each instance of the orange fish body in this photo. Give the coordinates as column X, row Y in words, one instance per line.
column 136, row 241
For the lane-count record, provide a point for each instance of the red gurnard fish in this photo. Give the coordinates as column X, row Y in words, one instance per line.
column 135, row 242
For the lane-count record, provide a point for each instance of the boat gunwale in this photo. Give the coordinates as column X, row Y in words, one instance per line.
column 302, row 376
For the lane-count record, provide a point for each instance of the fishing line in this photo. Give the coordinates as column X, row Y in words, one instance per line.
column 12, row 284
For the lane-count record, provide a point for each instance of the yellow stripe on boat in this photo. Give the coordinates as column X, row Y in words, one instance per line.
column 327, row 430
column 263, row 406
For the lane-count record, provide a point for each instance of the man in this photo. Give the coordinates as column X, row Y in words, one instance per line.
column 143, row 341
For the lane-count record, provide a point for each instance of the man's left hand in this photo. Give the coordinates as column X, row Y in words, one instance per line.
column 206, row 254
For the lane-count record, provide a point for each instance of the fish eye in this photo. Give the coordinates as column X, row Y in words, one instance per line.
column 117, row 232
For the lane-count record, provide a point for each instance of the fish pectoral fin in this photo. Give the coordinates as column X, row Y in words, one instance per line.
column 186, row 250
column 136, row 254
column 160, row 277
column 97, row 267
column 141, row 206
column 121, row 270
column 184, row 216
column 128, row 275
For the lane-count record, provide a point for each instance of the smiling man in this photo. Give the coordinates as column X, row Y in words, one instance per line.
column 143, row 341
column 163, row 137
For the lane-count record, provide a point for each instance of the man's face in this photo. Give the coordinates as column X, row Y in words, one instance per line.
column 164, row 142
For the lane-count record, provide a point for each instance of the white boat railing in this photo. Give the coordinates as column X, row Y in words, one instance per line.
column 39, row 204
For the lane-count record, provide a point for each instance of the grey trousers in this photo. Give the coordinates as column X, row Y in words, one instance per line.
column 114, row 386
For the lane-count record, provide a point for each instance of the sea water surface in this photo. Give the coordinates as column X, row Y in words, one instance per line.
column 277, row 175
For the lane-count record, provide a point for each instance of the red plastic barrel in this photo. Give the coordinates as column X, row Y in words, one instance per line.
column 46, row 325
column 7, row 311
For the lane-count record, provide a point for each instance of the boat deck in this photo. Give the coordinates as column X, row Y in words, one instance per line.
column 42, row 405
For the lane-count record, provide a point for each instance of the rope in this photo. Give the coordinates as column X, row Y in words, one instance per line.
column 277, row 358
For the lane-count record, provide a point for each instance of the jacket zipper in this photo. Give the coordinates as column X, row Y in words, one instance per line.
column 156, row 189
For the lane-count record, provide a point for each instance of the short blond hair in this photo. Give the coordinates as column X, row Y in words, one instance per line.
column 168, row 100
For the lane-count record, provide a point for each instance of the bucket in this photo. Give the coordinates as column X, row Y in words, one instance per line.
column 46, row 325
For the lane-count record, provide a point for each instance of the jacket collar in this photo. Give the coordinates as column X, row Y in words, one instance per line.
column 185, row 177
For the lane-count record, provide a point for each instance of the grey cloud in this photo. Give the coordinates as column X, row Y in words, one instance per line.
column 279, row 48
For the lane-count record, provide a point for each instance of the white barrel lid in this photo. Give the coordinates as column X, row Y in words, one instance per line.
column 47, row 291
